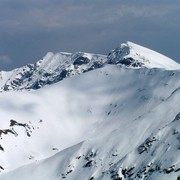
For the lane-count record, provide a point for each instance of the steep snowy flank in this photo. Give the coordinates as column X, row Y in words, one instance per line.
column 133, row 55
column 55, row 67
column 124, row 121
column 111, row 158
column 114, row 117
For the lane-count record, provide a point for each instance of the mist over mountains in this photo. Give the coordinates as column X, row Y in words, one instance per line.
column 89, row 116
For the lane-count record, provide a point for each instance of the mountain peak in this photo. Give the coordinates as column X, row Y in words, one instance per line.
column 54, row 67
column 134, row 55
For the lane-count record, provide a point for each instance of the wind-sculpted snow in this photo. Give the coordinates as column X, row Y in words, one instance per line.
column 120, row 121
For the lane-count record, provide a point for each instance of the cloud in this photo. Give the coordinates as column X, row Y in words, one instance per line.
column 152, row 11
column 4, row 59
column 49, row 15
column 29, row 29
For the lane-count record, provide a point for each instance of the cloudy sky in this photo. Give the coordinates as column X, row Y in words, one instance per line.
column 29, row 29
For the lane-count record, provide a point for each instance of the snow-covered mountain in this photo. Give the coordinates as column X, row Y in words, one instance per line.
column 55, row 67
column 133, row 55
column 51, row 69
column 118, row 119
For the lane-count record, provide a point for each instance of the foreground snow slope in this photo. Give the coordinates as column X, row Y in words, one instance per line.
column 124, row 121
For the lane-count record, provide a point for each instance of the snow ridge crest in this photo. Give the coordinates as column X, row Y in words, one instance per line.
column 136, row 56
column 54, row 67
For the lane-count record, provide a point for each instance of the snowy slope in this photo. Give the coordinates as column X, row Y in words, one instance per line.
column 113, row 140
column 119, row 119
column 133, row 55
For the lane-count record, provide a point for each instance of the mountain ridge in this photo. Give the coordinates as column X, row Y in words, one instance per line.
column 117, row 121
column 55, row 67
column 134, row 55
column 115, row 143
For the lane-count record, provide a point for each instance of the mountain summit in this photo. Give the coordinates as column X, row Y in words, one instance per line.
column 133, row 55
column 55, row 67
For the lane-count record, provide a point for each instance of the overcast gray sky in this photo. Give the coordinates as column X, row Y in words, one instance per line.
column 29, row 29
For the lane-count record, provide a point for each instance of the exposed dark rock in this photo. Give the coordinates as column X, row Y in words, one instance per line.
column 70, row 171
column 177, row 118
column 78, row 157
column 89, row 164
column 146, row 145
column 169, row 170
column 63, row 175
column 178, row 169
column 6, row 131
column 127, row 172
column 115, row 175
column 25, row 125
column 90, row 155
column 1, row 148
column 81, row 60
